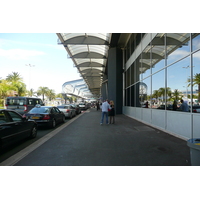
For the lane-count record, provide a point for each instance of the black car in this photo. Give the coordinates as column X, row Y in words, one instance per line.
column 13, row 127
column 46, row 115
column 77, row 108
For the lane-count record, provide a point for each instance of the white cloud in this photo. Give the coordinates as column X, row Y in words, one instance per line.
column 18, row 54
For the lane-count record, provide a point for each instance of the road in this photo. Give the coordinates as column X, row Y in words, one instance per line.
column 15, row 148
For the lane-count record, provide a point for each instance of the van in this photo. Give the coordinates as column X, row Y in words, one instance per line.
column 22, row 104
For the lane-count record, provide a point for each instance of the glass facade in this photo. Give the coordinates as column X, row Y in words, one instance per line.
column 166, row 71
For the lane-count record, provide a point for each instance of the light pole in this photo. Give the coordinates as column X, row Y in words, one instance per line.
column 29, row 65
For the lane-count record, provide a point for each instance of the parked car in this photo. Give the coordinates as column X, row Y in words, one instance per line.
column 195, row 108
column 13, row 127
column 46, row 115
column 83, row 106
column 68, row 110
column 77, row 108
column 22, row 104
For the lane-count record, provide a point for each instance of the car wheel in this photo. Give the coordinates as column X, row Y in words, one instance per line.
column 70, row 116
column 53, row 123
column 33, row 132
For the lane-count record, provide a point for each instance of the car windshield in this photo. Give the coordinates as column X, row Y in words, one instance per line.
column 40, row 110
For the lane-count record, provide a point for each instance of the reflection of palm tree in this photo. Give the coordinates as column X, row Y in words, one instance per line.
column 176, row 94
column 196, row 81
column 155, row 94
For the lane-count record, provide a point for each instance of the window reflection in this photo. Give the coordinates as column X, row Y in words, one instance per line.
column 145, row 67
column 196, row 77
column 158, row 90
column 195, row 41
column 145, row 93
column 177, row 81
column 178, row 46
column 158, row 52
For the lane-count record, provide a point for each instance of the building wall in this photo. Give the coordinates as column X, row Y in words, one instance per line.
column 167, row 64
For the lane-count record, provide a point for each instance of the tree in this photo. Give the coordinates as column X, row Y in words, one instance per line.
column 50, row 94
column 42, row 91
column 17, row 83
column 196, row 81
column 14, row 77
column 31, row 93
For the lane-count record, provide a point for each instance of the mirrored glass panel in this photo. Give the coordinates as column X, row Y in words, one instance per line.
column 196, row 78
column 145, row 93
column 158, row 52
column 195, row 41
column 178, row 46
column 158, row 90
column 145, row 67
column 177, row 82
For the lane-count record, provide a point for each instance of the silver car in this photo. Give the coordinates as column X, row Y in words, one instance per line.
column 68, row 110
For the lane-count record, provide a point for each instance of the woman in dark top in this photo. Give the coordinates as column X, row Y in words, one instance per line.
column 112, row 112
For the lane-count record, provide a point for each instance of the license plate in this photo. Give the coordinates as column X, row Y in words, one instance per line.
column 35, row 118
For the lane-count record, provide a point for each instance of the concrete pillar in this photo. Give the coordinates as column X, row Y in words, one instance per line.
column 115, row 78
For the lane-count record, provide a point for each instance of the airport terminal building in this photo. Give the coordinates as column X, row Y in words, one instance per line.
column 145, row 73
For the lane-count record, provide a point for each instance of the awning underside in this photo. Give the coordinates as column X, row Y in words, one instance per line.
column 89, row 52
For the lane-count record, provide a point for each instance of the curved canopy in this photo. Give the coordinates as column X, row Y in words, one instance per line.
column 89, row 52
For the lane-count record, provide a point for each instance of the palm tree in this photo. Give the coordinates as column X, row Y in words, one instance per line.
column 31, row 93
column 196, row 81
column 42, row 91
column 17, row 82
column 14, row 77
column 50, row 94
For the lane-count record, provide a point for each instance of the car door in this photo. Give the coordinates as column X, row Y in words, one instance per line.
column 57, row 114
column 21, row 126
column 8, row 129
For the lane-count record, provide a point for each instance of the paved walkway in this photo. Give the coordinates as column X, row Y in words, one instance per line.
column 83, row 142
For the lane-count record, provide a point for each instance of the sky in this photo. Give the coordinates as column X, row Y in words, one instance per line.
column 38, row 58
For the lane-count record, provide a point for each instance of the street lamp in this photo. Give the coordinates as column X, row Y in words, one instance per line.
column 29, row 65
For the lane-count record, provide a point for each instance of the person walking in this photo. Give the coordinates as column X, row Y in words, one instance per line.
column 112, row 112
column 104, row 108
column 97, row 105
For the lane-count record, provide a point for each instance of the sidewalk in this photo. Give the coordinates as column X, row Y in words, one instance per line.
column 84, row 142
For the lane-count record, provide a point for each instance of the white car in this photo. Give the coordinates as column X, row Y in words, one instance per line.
column 68, row 110
column 83, row 106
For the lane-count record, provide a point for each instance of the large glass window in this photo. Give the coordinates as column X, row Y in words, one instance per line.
column 158, row 89
column 158, row 52
column 177, row 81
column 195, row 41
column 178, row 46
column 145, row 67
column 145, row 93
column 196, row 77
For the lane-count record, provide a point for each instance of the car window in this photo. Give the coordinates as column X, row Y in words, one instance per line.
column 40, row 110
column 14, row 116
column 16, row 101
column 3, row 117
column 61, row 106
column 30, row 102
column 57, row 110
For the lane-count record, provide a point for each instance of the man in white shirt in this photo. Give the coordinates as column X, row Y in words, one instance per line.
column 104, row 108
